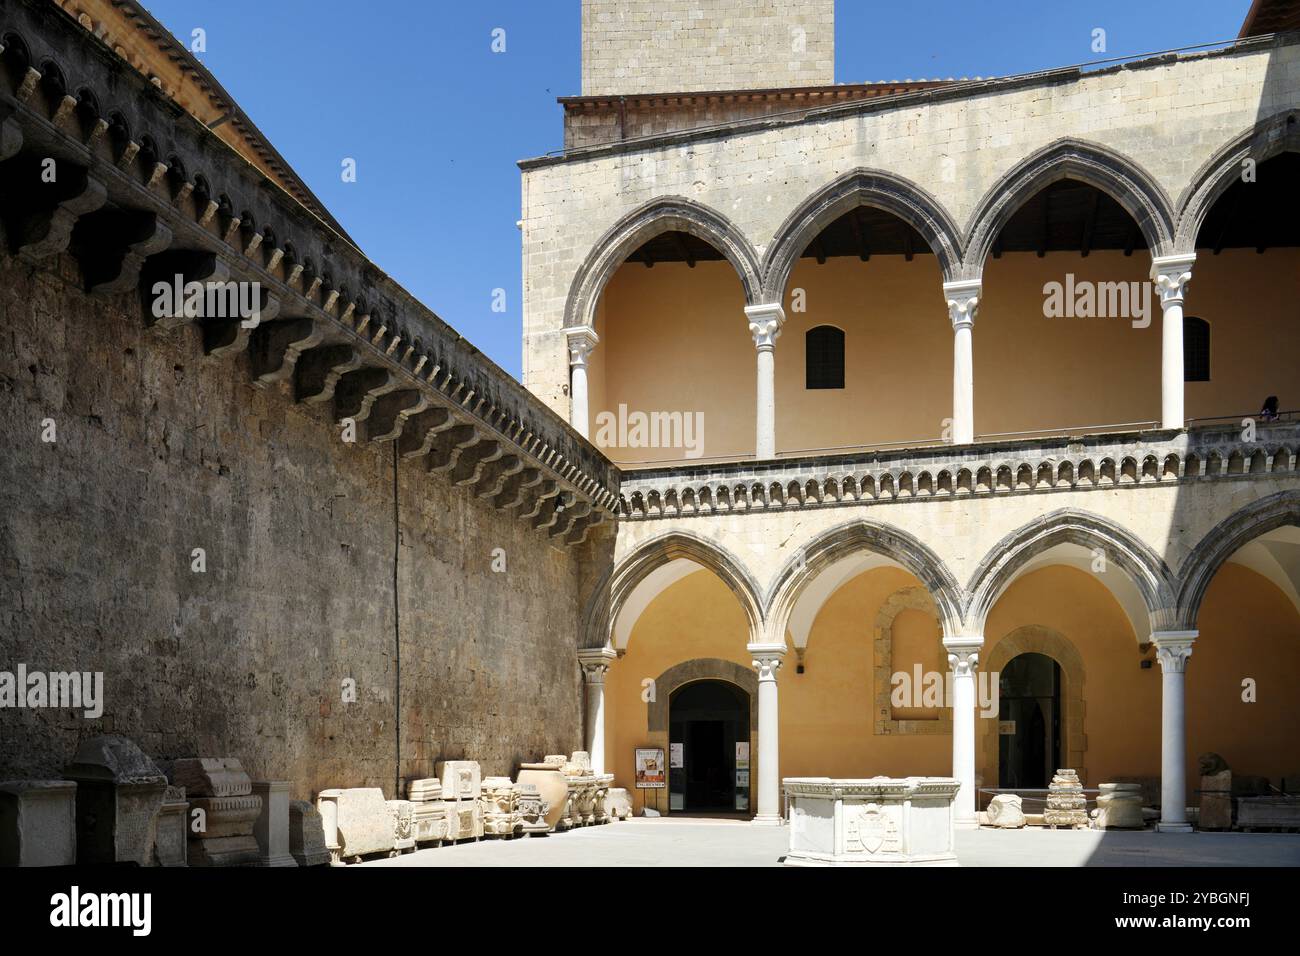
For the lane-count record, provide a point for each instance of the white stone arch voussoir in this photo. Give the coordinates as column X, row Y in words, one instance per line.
column 815, row 571
column 860, row 187
column 650, row 569
column 1229, row 536
column 1106, row 169
column 665, row 214
column 1141, row 582
column 1279, row 133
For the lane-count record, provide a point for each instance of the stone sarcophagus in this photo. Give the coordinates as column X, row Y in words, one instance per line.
column 223, row 811
column 428, row 811
column 356, row 822
column 879, row 821
column 119, row 794
column 38, row 823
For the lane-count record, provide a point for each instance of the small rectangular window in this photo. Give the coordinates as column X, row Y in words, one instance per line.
column 825, row 357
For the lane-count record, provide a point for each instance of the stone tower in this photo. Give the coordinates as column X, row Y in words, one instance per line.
column 680, row 46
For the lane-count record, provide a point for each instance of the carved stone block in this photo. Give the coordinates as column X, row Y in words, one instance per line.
column 1119, row 807
column 172, row 829
column 119, row 793
column 38, row 823
column 1006, row 812
column 461, row 779
column 306, row 835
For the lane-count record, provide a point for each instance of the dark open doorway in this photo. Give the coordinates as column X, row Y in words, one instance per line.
column 1029, row 722
column 706, row 720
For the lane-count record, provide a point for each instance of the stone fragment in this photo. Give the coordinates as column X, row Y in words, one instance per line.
column 1216, row 798
column 227, row 810
column 428, row 811
column 531, row 809
column 38, row 823
column 171, row 847
column 1277, row 812
column 498, row 802
column 119, row 794
column 618, row 804
column 271, row 830
column 461, row 779
column 1005, row 811
column 403, row 826
column 1067, row 805
column 306, row 835
column 1119, row 807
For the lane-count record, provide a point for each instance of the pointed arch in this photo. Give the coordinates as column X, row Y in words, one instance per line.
column 860, row 187
column 609, row 599
column 1279, row 133
column 1010, row 556
column 842, row 542
column 1098, row 166
column 666, row 214
column 1228, row 536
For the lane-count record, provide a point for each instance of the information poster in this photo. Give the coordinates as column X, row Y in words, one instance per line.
column 676, row 755
column 742, row 755
column 650, row 773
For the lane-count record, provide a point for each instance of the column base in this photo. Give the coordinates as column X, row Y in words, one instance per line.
column 1163, row 827
column 767, row 820
column 966, row 824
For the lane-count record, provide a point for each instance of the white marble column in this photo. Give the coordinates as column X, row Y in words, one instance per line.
column 767, row 660
column 963, row 656
column 963, row 303
column 595, row 665
column 581, row 339
column 1172, row 650
column 765, row 323
column 1171, row 275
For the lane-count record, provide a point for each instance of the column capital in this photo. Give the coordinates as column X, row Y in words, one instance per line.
column 767, row 659
column 1171, row 275
column 963, row 301
column 1173, row 648
column 595, row 663
column 963, row 653
column 765, row 323
column 580, row 339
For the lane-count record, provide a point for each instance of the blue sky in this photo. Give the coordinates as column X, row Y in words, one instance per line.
column 436, row 121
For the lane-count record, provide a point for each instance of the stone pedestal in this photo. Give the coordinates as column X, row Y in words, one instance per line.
column 119, row 794
column 875, row 822
column 1006, row 812
column 38, row 823
column 222, row 793
column 1067, row 805
column 464, row 820
column 271, row 830
column 1216, row 800
column 307, row 835
column 428, row 811
column 173, row 829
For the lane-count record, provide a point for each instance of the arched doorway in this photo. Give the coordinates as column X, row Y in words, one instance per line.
column 1029, row 716
column 708, row 772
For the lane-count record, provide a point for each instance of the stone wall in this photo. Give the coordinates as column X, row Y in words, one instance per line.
column 659, row 46
column 160, row 451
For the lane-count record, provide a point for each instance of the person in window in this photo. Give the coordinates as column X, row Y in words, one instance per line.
column 1269, row 412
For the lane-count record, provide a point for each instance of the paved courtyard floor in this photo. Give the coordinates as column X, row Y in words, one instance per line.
column 693, row 842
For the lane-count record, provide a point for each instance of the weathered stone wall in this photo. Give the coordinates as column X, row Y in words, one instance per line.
column 160, row 451
column 661, row 46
